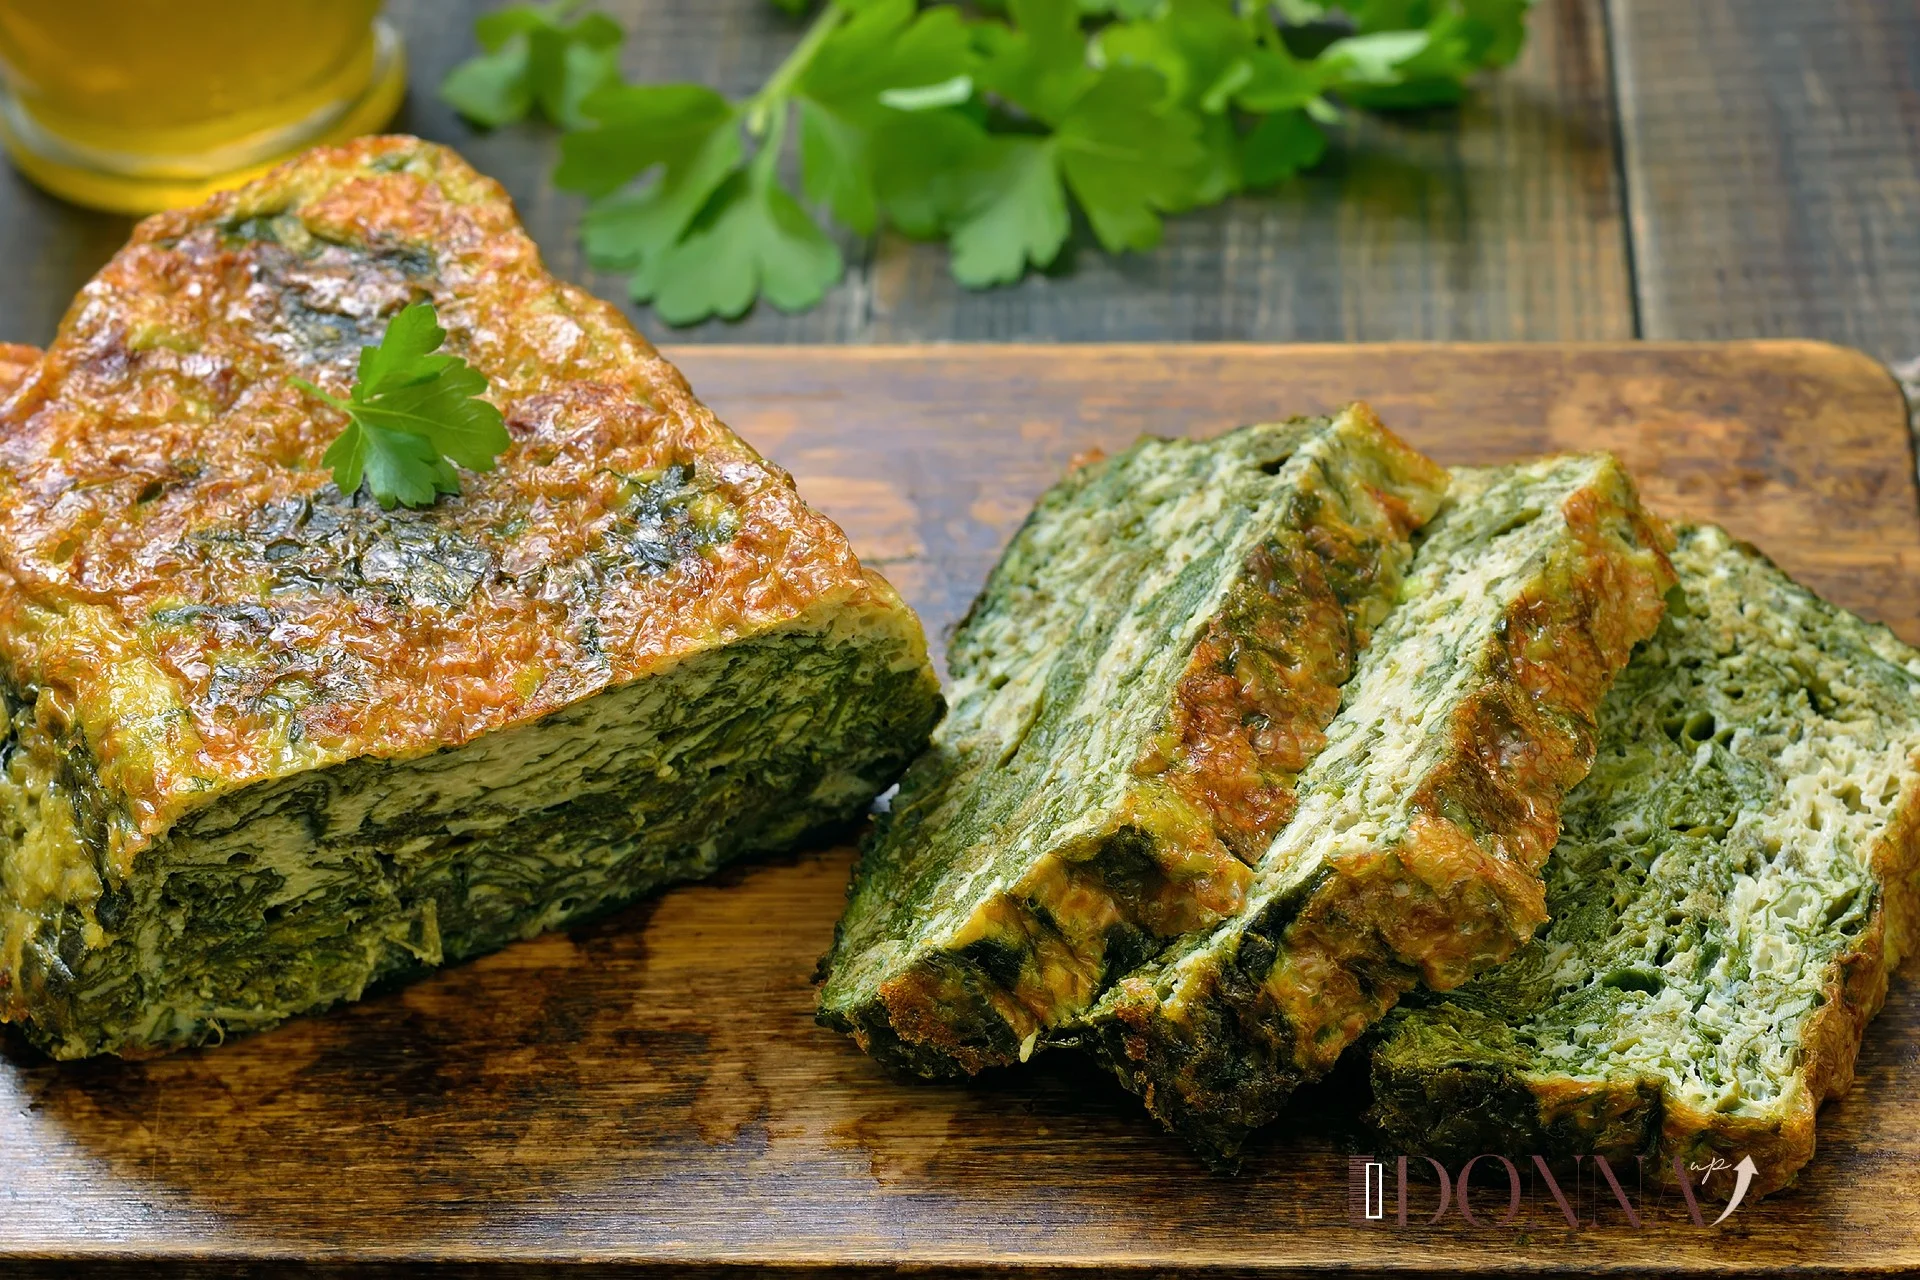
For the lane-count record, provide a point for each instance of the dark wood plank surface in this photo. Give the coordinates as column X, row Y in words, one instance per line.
column 1767, row 151
column 1772, row 158
column 652, row 1089
column 1500, row 220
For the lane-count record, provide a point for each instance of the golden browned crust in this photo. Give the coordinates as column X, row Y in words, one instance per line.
column 17, row 360
column 1251, row 709
column 151, row 471
column 1463, row 891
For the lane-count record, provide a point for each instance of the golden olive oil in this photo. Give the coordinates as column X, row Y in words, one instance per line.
column 136, row 105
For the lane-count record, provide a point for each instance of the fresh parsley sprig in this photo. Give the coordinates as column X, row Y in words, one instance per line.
column 988, row 126
column 411, row 415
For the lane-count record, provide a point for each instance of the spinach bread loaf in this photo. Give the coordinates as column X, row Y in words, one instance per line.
column 1148, row 669
column 1415, row 850
column 1736, row 880
column 266, row 743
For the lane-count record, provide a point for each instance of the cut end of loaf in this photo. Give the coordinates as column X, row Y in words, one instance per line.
column 1733, row 881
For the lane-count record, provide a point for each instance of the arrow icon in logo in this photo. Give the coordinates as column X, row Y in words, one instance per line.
column 1744, row 1172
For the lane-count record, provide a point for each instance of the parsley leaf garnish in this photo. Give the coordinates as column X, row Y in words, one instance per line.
column 1018, row 215
column 997, row 127
column 411, row 415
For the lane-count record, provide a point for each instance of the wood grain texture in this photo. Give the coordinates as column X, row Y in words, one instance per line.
column 651, row 1090
column 51, row 249
column 1772, row 154
column 1501, row 219
column 1772, row 173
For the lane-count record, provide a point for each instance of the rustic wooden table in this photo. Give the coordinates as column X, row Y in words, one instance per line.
column 1713, row 169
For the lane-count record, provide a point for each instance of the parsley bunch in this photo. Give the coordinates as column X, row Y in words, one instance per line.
column 988, row 130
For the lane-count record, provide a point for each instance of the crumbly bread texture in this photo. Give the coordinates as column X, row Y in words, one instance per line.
column 1135, row 693
column 265, row 743
column 1737, row 878
column 1415, row 852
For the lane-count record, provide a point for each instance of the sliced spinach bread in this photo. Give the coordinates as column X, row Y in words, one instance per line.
column 1133, row 694
column 1415, row 851
column 1736, row 880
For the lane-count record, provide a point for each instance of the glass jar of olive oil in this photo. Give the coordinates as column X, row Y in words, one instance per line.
column 138, row 105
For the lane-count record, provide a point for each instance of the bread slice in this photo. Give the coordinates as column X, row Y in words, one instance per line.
column 1736, row 880
column 1146, row 672
column 265, row 743
column 1415, row 853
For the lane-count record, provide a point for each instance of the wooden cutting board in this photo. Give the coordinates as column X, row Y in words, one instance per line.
column 652, row 1089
